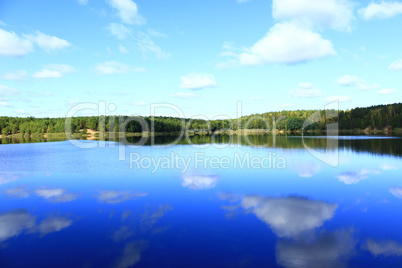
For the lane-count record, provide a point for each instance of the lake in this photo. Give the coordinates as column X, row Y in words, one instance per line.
column 258, row 201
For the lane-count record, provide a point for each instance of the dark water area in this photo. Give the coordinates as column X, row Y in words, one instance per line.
column 224, row 201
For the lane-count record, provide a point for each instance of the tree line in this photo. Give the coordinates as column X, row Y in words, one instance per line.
column 374, row 117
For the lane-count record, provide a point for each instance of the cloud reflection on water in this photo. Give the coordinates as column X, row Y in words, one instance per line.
column 115, row 197
column 199, row 182
column 17, row 222
column 326, row 250
column 289, row 216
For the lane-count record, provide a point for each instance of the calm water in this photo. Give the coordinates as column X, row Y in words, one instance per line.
column 202, row 205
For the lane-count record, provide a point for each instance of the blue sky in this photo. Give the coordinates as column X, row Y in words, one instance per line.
column 201, row 55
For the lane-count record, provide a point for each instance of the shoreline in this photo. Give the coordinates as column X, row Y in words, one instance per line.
column 95, row 135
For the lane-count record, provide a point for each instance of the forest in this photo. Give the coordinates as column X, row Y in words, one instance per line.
column 375, row 118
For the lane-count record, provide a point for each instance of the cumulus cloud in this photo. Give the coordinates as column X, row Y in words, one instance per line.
column 285, row 43
column 289, row 216
column 326, row 250
column 115, row 197
column 386, row 91
column 382, row 10
column 338, row 98
column 53, row 71
column 147, row 45
column 114, row 67
column 56, row 195
column 355, row 177
column 19, row 75
column 199, row 182
column 155, row 33
column 305, row 90
column 197, row 81
column 119, row 30
column 5, row 104
column 13, row 45
column 335, row 14
column 14, row 223
column 47, row 42
column 20, row 111
column 396, row 65
column 127, row 11
column 385, row 248
column 354, row 81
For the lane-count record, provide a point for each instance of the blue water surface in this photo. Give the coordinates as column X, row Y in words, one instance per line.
column 109, row 206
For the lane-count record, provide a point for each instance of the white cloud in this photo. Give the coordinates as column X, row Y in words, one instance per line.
column 128, row 11
column 14, row 223
column 198, row 81
column 396, row 65
column 20, row 112
column 56, row 195
column 115, row 197
column 48, row 42
column 113, row 67
column 287, row 105
column 382, row 10
column 290, row 216
column 155, row 33
column 12, row 45
column 385, row 248
column 199, row 182
column 119, row 30
column 44, row 73
column 7, row 91
column 336, row 14
column 54, row 71
column 387, row 91
column 355, row 177
column 19, row 75
column 83, row 2
column 286, row 43
column 328, row 250
column 354, row 81
column 123, row 50
column 185, row 95
column 396, row 191
column 338, row 98
column 5, row 104
column 146, row 45
column 305, row 90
